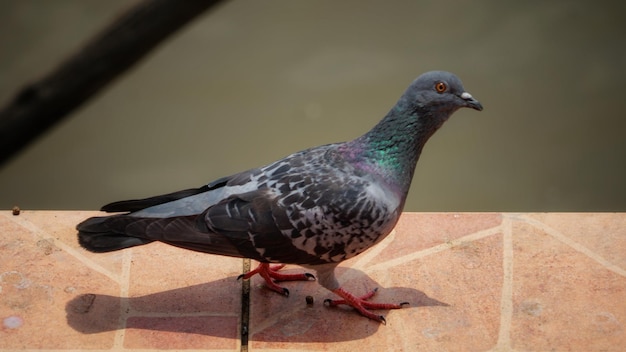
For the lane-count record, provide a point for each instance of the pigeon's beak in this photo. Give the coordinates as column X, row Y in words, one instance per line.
column 470, row 102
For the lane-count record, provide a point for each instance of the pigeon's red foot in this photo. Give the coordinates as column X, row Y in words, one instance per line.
column 362, row 304
column 271, row 276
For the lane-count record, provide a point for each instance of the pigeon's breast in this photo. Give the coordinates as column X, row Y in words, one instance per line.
column 339, row 215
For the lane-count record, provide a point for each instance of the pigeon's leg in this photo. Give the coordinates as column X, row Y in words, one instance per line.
column 271, row 275
column 361, row 304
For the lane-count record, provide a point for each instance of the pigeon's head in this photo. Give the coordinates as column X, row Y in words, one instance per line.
column 440, row 93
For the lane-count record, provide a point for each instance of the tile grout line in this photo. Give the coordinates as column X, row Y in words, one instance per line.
column 506, row 302
column 120, row 334
column 244, row 327
column 573, row 244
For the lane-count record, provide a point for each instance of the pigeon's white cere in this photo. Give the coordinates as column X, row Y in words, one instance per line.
column 466, row 96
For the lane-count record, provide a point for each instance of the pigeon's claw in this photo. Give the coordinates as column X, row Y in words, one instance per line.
column 362, row 304
column 271, row 275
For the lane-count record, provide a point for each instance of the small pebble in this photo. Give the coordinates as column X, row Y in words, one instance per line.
column 16, row 210
column 309, row 300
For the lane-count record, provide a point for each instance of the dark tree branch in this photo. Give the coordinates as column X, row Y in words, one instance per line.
column 118, row 47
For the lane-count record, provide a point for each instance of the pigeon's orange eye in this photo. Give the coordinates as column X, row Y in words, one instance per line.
column 441, row 87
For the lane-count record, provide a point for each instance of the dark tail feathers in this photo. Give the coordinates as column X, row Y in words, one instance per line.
column 95, row 235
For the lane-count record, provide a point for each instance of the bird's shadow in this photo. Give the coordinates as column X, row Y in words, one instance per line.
column 273, row 317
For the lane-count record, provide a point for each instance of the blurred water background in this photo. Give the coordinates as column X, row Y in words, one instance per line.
column 252, row 81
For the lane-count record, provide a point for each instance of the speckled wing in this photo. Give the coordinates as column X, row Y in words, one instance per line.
column 306, row 212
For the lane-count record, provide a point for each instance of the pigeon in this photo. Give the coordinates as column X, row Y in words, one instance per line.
column 314, row 208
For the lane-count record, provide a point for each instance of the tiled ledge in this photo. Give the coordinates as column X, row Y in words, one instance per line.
column 475, row 281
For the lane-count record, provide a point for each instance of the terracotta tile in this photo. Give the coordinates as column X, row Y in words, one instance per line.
column 562, row 299
column 164, row 278
column 37, row 280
